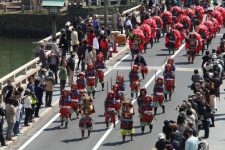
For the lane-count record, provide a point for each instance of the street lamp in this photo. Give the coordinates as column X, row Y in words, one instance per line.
column 53, row 7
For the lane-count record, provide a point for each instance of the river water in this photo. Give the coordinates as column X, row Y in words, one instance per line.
column 15, row 53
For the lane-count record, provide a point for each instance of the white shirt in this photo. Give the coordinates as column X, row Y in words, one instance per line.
column 95, row 43
column 27, row 102
column 128, row 23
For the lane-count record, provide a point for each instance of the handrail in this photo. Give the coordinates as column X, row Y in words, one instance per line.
column 131, row 9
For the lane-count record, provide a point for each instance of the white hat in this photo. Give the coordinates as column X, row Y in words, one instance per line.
column 161, row 136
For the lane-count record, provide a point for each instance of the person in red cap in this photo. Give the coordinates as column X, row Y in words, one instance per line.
column 169, row 78
column 75, row 100
column 134, row 80
column 65, row 107
column 159, row 94
column 91, row 79
column 100, row 65
column 110, row 112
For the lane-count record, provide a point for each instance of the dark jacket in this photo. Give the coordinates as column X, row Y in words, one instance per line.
column 140, row 60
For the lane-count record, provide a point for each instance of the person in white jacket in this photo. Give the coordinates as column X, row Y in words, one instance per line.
column 27, row 106
column 74, row 39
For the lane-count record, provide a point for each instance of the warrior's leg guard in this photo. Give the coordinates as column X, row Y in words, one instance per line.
column 155, row 110
column 103, row 86
column 143, row 75
column 142, row 129
column 131, row 136
column 93, row 94
column 192, row 59
column 62, row 121
column 124, row 137
column 150, row 127
column 82, row 134
column 114, row 124
column 89, row 133
column 170, row 95
column 165, row 95
column 212, row 120
column 66, row 125
column 163, row 108
column 189, row 59
column 132, row 95
column 107, row 124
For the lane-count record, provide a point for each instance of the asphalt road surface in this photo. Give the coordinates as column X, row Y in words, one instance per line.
column 55, row 138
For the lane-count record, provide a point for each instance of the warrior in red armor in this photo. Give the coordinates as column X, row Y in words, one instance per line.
column 126, row 126
column 91, row 79
column 192, row 46
column 141, row 63
column 172, row 39
column 100, row 65
column 119, row 97
column 134, row 80
column 86, row 110
column 169, row 78
column 120, row 82
column 81, row 83
column 159, row 94
column 110, row 112
column 75, row 99
column 65, row 107
column 171, row 62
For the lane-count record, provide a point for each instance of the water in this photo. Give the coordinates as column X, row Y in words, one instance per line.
column 14, row 53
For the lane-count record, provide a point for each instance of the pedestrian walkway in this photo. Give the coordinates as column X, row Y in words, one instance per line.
column 55, row 100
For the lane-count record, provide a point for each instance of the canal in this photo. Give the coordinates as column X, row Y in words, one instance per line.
column 14, row 53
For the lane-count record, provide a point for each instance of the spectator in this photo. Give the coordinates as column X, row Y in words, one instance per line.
column 90, row 37
column 70, row 68
column 196, row 77
column 74, row 40
column 120, row 22
column 49, row 86
column 96, row 43
column 10, row 118
column 27, row 106
column 7, row 91
column 18, row 106
column 2, row 114
column 68, row 35
column 81, row 34
column 167, row 129
column 39, row 91
column 160, row 144
column 55, row 47
column 192, row 142
column 81, row 55
column 53, row 61
column 128, row 23
column 96, row 24
column 33, row 105
column 63, row 44
column 90, row 56
column 43, row 56
column 63, row 75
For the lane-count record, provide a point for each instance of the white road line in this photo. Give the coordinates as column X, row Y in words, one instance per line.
column 146, row 85
column 39, row 132
column 57, row 115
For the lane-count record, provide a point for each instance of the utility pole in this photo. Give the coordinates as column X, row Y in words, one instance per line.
column 105, row 13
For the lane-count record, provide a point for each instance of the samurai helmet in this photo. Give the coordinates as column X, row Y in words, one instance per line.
column 74, row 86
column 148, row 98
column 110, row 93
column 135, row 67
column 170, row 61
column 90, row 66
column 100, row 56
column 144, row 90
column 82, row 74
column 159, row 78
column 168, row 67
column 120, row 77
column 115, row 87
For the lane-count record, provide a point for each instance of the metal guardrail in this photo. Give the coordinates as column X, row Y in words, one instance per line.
column 19, row 77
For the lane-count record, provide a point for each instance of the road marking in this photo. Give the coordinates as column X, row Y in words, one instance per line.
column 146, row 85
column 57, row 115
column 155, row 68
column 39, row 132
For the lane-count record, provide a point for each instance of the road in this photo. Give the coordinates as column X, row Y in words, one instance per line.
column 55, row 138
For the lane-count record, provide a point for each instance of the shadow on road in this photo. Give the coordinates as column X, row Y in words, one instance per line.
column 114, row 143
column 99, row 130
column 162, row 54
column 53, row 128
column 102, row 122
column 217, row 115
column 72, row 140
column 181, row 63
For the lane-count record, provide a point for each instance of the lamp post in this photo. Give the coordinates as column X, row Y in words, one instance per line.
column 105, row 13
column 53, row 7
column 53, row 12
